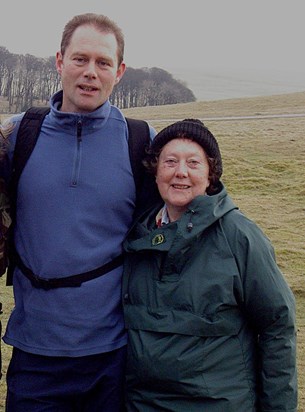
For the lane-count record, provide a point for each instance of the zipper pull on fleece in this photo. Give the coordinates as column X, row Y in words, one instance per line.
column 79, row 130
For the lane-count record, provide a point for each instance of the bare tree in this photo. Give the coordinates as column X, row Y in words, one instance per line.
column 26, row 80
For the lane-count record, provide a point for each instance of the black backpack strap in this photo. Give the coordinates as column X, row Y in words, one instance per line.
column 26, row 139
column 67, row 281
column 27, row 136
column 139, row 141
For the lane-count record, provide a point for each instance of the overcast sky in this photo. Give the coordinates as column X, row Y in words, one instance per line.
column 263, row 33
column 258, row 34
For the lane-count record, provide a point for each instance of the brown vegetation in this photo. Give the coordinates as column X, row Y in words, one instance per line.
column 264, row 172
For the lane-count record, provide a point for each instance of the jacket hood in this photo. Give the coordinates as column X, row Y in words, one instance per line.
column 202, row 213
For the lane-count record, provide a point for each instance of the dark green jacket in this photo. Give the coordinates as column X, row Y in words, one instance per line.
column 211, row 320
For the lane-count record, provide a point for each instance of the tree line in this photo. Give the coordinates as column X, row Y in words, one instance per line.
column 26, row 80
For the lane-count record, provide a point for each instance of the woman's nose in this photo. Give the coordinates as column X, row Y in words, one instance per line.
column 181, row 170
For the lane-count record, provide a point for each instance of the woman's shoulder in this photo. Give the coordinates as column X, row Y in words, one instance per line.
column 239, row 226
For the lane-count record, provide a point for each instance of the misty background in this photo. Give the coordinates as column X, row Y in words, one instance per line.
column 219, row 48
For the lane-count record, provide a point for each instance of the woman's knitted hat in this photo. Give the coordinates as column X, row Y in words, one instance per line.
column 192, row 129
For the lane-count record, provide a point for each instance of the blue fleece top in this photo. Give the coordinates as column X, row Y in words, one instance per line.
column 75, row 202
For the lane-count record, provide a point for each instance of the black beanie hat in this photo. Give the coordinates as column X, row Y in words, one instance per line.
column 192, row 129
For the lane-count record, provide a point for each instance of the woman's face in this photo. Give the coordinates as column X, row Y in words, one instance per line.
column 182, row 174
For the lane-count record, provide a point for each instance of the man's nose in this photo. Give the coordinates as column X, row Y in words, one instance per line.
column 90, row 71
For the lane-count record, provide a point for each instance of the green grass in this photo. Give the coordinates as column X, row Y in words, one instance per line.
column 264, row 172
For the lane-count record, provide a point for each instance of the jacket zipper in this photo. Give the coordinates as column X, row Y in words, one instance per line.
column 77, row 159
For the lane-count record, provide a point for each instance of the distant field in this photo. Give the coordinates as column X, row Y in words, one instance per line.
column 264, row 171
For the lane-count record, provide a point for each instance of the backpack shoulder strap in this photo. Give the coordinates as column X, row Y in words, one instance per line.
column 27, row 136
column 139, row 141
column 26, row 139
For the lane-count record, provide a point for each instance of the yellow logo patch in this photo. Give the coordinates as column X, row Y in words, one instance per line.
column 158, row 239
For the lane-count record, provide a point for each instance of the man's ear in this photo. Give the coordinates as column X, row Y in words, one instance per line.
column 59, row 62
column 120, row 72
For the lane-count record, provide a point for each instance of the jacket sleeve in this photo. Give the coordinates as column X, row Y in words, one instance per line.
column 270, row 305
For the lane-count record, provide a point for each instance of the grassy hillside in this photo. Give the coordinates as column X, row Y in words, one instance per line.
column 264, row 171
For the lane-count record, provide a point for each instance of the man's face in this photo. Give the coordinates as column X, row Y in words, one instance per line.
column 89, row 69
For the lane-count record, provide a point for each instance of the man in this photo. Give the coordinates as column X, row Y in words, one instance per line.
column 76, row 197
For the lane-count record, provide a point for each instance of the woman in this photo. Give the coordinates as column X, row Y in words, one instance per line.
column 210, row 317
